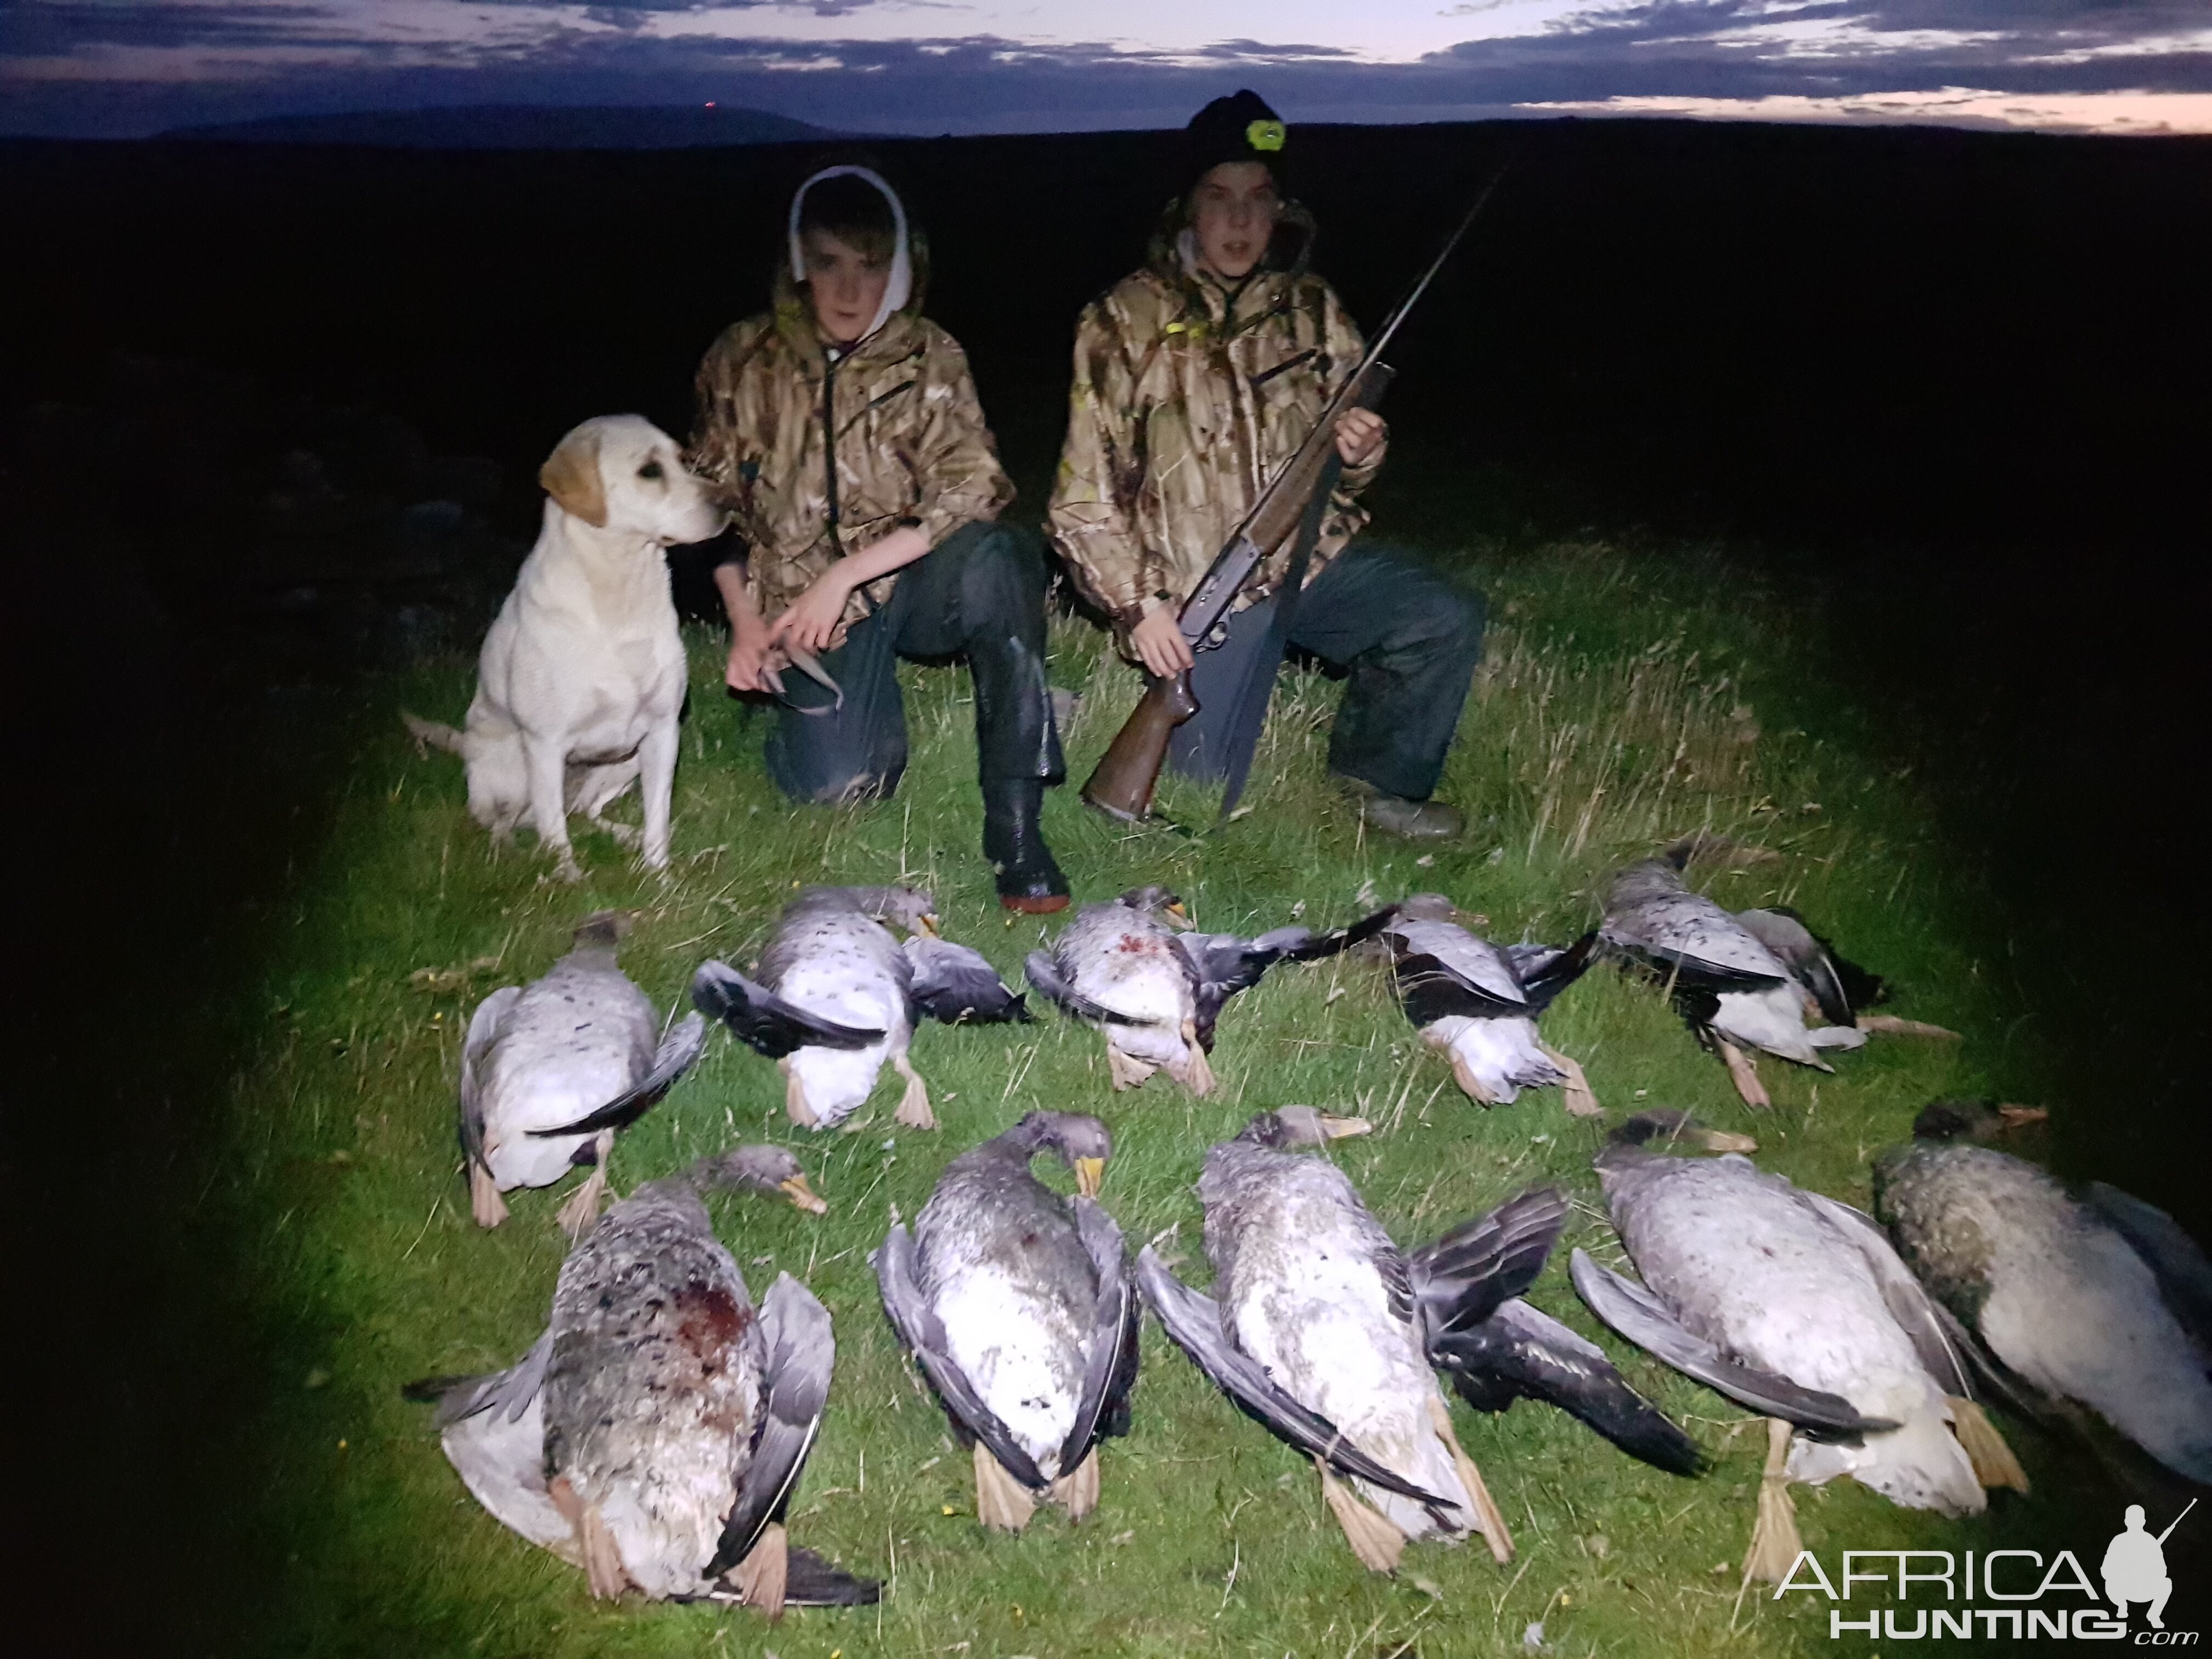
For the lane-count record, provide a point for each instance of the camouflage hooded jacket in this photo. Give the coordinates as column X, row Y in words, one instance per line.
column 1188, row 397
column 910, row 445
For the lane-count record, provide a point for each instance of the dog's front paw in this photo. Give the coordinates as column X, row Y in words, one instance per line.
column 566, row 869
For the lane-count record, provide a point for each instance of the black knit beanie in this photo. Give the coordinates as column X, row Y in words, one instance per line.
column 1238, row 128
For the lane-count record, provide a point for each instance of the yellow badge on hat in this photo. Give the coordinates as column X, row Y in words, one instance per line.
column 1265, row 134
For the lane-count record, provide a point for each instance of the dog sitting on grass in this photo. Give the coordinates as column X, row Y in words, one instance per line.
column 582, row 674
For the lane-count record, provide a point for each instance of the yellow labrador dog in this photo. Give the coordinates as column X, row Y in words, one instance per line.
column 582, row 674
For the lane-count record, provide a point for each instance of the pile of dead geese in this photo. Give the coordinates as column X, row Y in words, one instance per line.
column 657, row 1432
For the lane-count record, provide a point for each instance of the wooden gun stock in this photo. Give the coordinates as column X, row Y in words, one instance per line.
column 1122, row 784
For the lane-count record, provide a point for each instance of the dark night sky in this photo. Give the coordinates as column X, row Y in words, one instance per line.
column 126, row 68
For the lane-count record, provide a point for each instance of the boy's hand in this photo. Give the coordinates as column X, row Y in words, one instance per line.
column 813, row 616
column 1160, row 645
column 748, row 663
column 1360, row 435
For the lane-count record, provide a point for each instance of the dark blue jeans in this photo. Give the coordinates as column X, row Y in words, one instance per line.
column 979, row 593
column 1411, row 638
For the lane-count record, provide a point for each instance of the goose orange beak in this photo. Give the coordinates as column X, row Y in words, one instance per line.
column 1720, row 1140
column 802, row 1196
column 926, row 924
column 2019, row 1117
column 1089, row 1175
column 1343, row 1128
column 1182, row 917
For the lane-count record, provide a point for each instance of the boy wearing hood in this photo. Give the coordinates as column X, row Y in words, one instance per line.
column 1196, row 379
column 843, row 431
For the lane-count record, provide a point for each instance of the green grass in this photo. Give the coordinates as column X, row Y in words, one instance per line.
column 1623, row 703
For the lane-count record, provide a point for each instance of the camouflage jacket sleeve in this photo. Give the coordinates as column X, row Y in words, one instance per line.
column 955, row 460
column 712, row 453
column 1092, row 515
column 1347, row 345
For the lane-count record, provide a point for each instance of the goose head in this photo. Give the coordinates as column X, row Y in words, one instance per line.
column 1972, row 1120
column 910, row 909
column 1290, row 1127
column 1082, row 1143
column 1150, row 901
column 1662, row 1129
column 759, row 1169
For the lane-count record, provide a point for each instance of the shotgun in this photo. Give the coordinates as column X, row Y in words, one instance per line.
column 1122, row 783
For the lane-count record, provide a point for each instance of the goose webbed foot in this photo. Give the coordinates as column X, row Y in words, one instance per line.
column 1487, row 1518
column 913, row 1105
column 796, row 1106
column 1375, row 1537
column 1891, row 1025
column 1743, row 1072
column 1470, row 1084
column 1994, row 1463
column 1077, row 1493
column 763, row 1576
column 1197, row 1073
column 582, row 1209
column 1002, row 1503
column 602, row 1558
column 485, row 1204
column 1575, row 1094
column 1127, row 1071
column 1774, row 1544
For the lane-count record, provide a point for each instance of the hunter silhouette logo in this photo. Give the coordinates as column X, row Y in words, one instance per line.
column 2135, row 1566
column 1936, row 1593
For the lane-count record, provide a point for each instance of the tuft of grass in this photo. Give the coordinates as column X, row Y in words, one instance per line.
column 1622, row 703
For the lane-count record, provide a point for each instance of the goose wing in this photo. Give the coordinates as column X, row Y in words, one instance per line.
column 764, row 1021
column 1640, row 1316
column 1909, row 1303
column 675, row 1056
column 2174, row 1258
column 1194, row 1324
column 916, row 1325
column 1111, row 1373
column 1545, row 971
column 1222, row 964
column 476, row 1047
column 510, row 1392
column 1686, row 934
column 1522, row 1352
column 1459, row 1280
column 1043, row 972
column 493, row 1430
column 798, row 1349
column 953, row 983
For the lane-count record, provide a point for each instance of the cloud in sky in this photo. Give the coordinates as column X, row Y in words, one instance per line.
column 118, row 68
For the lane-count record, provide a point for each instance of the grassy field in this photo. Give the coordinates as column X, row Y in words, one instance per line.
column 1623, row 702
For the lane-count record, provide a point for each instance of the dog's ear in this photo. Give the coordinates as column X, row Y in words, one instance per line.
column 571, row 477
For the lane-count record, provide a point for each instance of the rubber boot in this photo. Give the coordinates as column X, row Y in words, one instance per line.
column 1013, row 840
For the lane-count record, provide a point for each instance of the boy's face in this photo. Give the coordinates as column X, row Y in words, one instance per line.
column 1233, row 209
column 845, row 285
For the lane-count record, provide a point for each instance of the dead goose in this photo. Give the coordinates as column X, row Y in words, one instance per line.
column 1153, row 989
column 551, row 1070
column 1733, row 991
column 2102, row 1300
column 1019, row 1306
column 1324, row 1331
column 1794, row 1305
column 1480, row 1003
column 837, row 996
column 655, row 1434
